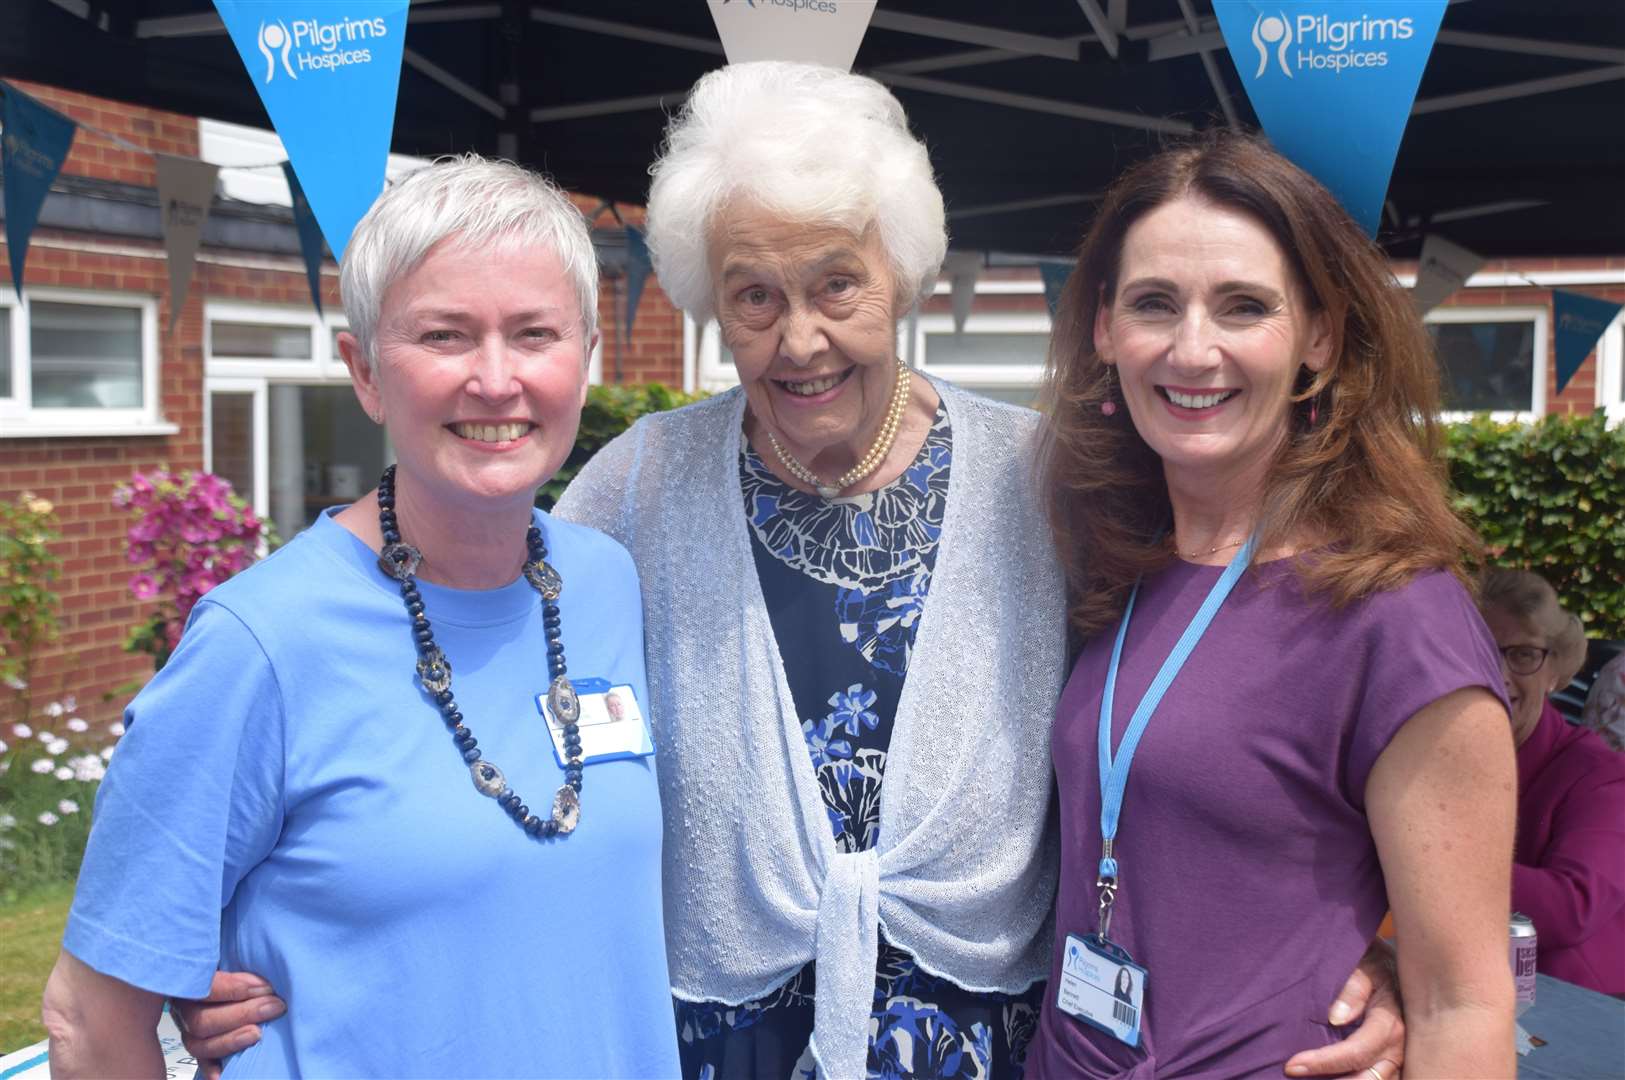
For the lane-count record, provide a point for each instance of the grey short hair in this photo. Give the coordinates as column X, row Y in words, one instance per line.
column 812, row 143
column 479, row 202
column 1526, row 595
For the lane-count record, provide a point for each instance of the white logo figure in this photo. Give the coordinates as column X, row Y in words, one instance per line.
column 275, row 36
column 1272, row 29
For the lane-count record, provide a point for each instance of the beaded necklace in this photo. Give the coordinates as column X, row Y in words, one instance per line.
column 399, row 561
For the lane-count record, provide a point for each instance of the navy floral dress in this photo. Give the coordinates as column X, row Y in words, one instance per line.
column 844, row 583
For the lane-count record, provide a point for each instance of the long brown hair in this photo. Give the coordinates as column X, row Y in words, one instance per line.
column 1363, row 477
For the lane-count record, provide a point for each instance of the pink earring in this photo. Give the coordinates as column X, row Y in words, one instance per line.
column 1108, row 407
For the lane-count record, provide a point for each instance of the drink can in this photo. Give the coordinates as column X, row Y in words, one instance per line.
column 1523, row 960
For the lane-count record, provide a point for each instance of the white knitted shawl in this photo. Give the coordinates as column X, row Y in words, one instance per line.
column 964, row 874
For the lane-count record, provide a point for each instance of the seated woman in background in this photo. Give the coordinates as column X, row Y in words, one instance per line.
column 1236, row 379
column 1568, row 872
column 1605, row 705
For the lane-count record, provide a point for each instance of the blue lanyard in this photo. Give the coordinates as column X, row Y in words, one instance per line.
column 1114, row 770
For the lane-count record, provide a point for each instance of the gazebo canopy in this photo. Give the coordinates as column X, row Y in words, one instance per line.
column 1516, row 145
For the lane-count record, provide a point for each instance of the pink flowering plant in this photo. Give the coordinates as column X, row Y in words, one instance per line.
column 190, row 532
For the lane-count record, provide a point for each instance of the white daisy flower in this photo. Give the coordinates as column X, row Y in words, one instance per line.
column 107, row 753
column 54, row 710
column 48, row 818
column 7, row 821
column 70, row 703
column 43, row 765
column 63, row 773
column 3, row 746
column 22, row 731
column 68, row 806
column 57, row 746
column 45, row 736
column 76, row 725
column 89, row 769
column 116, row 728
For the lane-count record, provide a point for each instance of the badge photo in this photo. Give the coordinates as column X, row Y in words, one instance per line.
column 612, row 724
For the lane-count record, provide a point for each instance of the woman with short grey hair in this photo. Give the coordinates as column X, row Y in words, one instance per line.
column 301, row 793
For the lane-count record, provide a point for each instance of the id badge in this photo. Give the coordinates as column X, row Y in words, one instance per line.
column 1102, row 986
column 612, row 724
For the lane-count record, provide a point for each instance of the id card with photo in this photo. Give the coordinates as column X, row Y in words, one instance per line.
column 1103, row 987
column 612, row 723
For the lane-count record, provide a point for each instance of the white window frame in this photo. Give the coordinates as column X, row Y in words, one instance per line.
column 18, row 417
column 259, row 499
column 982, row 376
column 323, row 365
column 1542, row 318
column 1611, row 371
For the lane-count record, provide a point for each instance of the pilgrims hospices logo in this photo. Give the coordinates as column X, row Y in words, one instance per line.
column 1325, row 43
column 314, row 45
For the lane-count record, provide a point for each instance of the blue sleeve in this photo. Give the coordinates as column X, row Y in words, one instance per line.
column 192, row 801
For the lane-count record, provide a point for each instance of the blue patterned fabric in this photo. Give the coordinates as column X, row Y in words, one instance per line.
column 845, row 582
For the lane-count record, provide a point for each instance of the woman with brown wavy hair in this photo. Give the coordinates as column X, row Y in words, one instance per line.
column 1286, row 715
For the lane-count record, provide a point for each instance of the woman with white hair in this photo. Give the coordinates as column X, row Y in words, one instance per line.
column 301, row 792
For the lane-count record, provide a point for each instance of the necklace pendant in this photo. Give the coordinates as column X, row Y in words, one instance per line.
column 562, row 699
column 544, row 579
column 434, row 671
column 488, row 779
column 566, row 810
column 828, row 492
column 400, row 561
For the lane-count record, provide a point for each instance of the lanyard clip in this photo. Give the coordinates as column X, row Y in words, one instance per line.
column 1107, row 884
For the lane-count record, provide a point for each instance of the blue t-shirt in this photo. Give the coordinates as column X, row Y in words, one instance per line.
column 288, row 801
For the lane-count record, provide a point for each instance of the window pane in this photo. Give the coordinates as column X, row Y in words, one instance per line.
column 1015, row 348
column 1487, row 366
column 5, row 352
column 85, row 356
column 259, row 341
column 324, row 452
column 231, row 435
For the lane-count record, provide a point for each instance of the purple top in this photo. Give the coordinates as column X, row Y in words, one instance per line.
column 1249, row 883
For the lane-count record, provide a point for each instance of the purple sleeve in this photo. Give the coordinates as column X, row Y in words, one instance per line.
column 1422, row 642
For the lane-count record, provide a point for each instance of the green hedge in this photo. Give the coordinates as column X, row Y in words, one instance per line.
column 609, row 411
column 1550, row 497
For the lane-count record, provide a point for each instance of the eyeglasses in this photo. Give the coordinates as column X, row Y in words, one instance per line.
column 1524, row 659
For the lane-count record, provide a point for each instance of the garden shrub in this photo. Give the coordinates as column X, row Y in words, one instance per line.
column 1550, row 497
column 609, row 411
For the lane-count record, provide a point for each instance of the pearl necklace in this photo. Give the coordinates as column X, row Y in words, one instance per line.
column 399, row 561
column 870, row 461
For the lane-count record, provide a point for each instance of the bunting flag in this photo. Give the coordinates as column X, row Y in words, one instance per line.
column 638, row 267
column 962, row 268
column 1333, row 82
column 32, row 151
column 824, row 32
column 185, row 191
column 1444, row 268
column 310, row 235
column 327, row 72
column 1580, row 321
column 1054, row 275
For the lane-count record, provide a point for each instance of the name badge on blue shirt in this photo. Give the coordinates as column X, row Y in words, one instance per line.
column 612, row 723
column 1102, row 986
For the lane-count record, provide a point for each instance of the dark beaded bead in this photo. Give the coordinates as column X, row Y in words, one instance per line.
column 522, row 813
column 392, row 536
column 415, row 609
column 550, row 609
column 533, row 825
column 465, row 739
column 550, row 827
column 423, row 633
column 471, row 756
column 443, row 698
column 576, row 783
column 555, row 648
